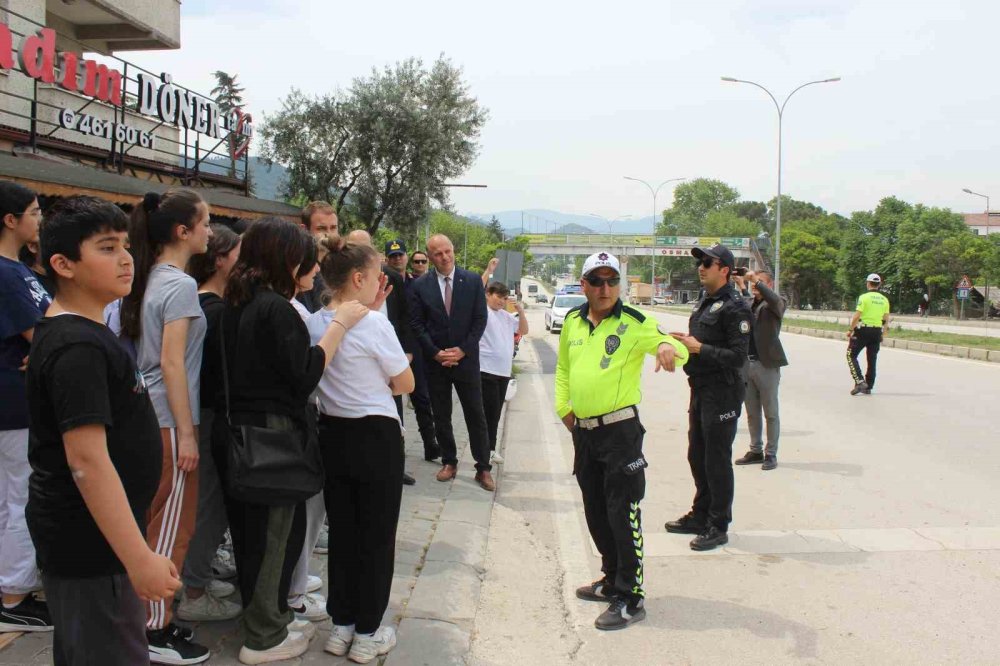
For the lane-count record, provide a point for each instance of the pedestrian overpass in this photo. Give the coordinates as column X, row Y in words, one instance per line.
column 625, row 246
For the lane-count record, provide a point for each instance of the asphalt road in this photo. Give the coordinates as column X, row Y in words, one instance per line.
column 875, row 541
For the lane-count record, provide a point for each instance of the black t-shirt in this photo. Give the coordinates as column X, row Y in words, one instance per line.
column 211, row 363
column 79, row 374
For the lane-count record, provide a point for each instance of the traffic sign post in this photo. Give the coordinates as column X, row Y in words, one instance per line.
column 962, row 290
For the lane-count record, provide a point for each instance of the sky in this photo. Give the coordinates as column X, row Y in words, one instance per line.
column 581, row 94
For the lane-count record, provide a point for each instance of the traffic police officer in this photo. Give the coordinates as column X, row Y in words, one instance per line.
column 601, row 351
column 870, row 322
column 719, row 333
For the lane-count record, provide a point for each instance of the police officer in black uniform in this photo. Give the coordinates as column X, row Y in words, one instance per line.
column 719, row 333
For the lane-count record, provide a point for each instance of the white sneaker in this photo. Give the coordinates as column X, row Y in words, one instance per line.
column 206, row 608
column 367, row 647
column 323, row 542
column 223, row 565
column 310, row 607
column 294, row 645
column 220, row 588
column 304, row 627
column 314, row 583
column 340, row 640
column 495, row 458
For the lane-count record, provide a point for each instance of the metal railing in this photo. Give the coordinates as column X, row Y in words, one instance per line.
column 188, row 159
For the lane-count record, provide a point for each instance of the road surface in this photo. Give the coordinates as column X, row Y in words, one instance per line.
column 875, row 541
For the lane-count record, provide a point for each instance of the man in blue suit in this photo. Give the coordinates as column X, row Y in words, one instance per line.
column 448, row 313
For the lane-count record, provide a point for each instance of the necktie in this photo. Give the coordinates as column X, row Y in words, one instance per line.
column 447, row 295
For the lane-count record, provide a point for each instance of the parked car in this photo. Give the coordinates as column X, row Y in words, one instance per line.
column 561, row 305
column 541, row 298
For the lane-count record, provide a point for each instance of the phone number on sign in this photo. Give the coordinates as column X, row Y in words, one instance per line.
column 85, row 124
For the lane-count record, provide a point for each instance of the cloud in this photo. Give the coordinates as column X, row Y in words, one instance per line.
column 583, row 93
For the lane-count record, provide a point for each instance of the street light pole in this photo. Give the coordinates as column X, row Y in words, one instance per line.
column 654, row 192
column 781, row 112
column 620, row 218
column 986, row 279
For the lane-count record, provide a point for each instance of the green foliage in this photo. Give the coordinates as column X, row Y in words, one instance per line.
column 385, row 148
column 229, row 96
column 693, row 201
column 727, row 223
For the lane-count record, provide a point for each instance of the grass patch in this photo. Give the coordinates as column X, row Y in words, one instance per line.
column 978, row 341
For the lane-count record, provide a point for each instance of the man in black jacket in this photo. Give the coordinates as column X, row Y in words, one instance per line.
column 448, row 311
column 719, row 330
column 763, row 375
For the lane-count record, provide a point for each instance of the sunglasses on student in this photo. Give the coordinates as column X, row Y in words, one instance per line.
column 418, row 261
column 595, row 281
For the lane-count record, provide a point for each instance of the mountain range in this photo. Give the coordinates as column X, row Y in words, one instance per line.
column 540, row 220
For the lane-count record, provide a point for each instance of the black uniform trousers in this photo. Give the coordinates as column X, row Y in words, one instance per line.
column 868, row 338
column 363, row 491
column 610, row 469
column 470, row 395
column 713, row 416
column 421, row 400
column 494, row 395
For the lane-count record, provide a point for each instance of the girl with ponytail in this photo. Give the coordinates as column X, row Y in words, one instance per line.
column 360, row 434
column 163, row 316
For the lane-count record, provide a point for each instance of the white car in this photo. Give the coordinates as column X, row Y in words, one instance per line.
column 561, row 304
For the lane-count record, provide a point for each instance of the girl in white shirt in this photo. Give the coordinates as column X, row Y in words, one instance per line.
column 359, row 433
column 304, row 597
column 496, row 357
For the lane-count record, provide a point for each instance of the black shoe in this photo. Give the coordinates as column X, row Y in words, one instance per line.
column 621, row 613
column 168, row 646
column 408, row 479
column 860, row 387
column 599, row 590
column 711, row 538
column 432, row 454
column 867, row 391
column 770, row 462
column 686, row 524
column 750, row 458
column 31, row 614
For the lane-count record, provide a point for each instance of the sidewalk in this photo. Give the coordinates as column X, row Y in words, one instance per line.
column 440, row 554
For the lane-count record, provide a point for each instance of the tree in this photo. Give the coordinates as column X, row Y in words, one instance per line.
column 727, row 223
column 229, row 96
column 311, row 136
column 808, row 264
column 496, row 229
column 413, row 129
column 694, row 200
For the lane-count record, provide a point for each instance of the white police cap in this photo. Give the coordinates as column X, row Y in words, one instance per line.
column 601, row 260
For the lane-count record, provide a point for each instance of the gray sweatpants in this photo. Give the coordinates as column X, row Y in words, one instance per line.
column 762, row 396
column 211, row 522
column 97, row 621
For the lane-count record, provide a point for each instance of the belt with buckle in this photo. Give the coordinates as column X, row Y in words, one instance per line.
column 623, row 414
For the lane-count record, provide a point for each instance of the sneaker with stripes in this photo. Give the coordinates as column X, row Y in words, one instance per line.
column 31, row 614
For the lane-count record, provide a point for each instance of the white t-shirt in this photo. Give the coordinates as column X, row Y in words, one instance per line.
column 496, row 347
column 301, row 309
column 356, row 383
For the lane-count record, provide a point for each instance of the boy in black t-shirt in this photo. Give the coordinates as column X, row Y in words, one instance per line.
column 94, row 448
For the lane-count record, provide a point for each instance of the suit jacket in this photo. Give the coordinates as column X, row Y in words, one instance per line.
column 435, row 330
column 397, row 309
column 767, row 315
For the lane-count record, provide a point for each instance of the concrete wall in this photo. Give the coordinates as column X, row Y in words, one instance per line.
column 15, row 82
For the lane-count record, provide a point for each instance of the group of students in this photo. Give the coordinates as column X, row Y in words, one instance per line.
column 129, row 348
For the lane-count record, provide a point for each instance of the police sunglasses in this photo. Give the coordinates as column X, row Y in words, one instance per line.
column 595, row 281
column 707, row 262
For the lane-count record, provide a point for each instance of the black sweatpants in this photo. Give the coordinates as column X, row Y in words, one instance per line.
column 470, row 395
column 610, row 469
column 421, row 400
column 97, row 621
column 494, row 393
column 364, row 488
column 713, row 416
column 868, row 338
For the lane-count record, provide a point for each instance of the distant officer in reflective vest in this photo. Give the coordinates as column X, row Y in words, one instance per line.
column 869, row 324
column 601, row 351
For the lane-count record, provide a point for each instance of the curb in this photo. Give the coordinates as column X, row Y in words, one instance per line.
column 955, row 351
column 436, row 622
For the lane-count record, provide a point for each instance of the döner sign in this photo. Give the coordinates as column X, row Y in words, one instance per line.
column 38, row 59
